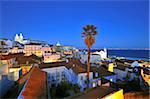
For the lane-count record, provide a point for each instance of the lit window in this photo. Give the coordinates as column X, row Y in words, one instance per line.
column 99, row 82
column 96, row 74
column 111, row 79
column 94, row 84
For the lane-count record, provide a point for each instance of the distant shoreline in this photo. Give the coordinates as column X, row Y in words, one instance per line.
column 118, row 49
column 129, row 49
column 128, row 53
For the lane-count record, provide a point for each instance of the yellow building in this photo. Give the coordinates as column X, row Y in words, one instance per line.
column 145, row 64
column 111, row 67
column 145, row 72
column 146, row 75
column 51, row 58
column 33, row 48
column 115, row 95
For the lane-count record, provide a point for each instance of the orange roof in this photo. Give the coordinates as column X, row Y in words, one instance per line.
column 23, row 59
column 74, row 64
column 36, row 85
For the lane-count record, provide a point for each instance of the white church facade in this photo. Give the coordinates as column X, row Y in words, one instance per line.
column 19, row 38
column 95, row 56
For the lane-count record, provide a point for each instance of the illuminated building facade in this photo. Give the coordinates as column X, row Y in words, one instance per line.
column 51, row 57
column 16, row 50
column 33, row 48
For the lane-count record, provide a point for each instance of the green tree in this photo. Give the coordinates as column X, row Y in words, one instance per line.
column 62, row 89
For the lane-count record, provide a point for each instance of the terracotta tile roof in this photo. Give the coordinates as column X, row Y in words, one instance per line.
column 97, row 93
column 23, row 59
column 51, row 65
column 36, row 85
column 76, row 66
column 73, row 64
column 9, row 56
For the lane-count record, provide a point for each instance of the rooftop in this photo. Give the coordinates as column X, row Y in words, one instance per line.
column 76, row 66
column 36, row 85
column 146, row 71
column 102, row 71
column 34, row 44
column 9, row 56
column 30, row 59
column 97, row 93
column 120, row 67
column 73, row 64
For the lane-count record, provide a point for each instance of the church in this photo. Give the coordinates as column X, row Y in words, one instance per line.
column 19, row 38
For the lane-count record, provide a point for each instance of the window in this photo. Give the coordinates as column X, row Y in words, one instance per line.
column 94, row 84
column 99, row 82
column 96, row 74
column 111, row 79
column 81, row 78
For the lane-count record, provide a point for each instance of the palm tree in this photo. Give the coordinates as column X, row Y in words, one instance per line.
column 89, row 33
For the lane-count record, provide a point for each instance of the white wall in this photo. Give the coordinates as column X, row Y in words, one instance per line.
column 70, row 75
column 93, row 58
column 81, row 82
column 16, row 73
column 56, row 73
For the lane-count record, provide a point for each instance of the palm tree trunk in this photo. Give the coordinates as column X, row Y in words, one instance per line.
column 88, row 68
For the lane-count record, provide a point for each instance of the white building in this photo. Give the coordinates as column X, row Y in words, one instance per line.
column 75, row 72
column 6, row 43
column 94, row 58
column 19, row 38
column 102, row 53
column 69, row 70
column 135, row 64
column 17, row 72
column 58, row 44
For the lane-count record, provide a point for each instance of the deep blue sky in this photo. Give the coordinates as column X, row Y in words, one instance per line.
column 121, row 24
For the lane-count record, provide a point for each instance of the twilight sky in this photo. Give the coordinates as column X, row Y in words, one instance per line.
column 121, row 24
